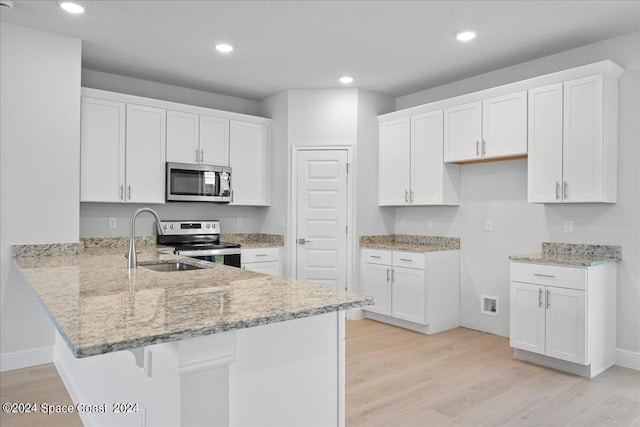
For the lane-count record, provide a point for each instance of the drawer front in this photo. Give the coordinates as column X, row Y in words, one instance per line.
column 550, row 275
column 409, row 259
column 376, row 256
column 260, row 254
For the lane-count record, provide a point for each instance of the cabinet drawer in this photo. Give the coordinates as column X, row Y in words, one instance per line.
column 260, row 254
column 376, row 256
column 550, row 275
column 408, row 259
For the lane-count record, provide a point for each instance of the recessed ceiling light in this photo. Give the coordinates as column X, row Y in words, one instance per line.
column 345, row 80
column 74, row 7
column 224, row 47
column 466, row 35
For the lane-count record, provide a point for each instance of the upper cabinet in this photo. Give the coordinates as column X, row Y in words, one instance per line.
column 126, row 141
column 122, row 152
column 573, row 141
column 411, row 168
column 488, row 129
column 249, row 157
column 194, row 138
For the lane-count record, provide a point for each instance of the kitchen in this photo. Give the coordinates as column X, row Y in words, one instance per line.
column 314, row 117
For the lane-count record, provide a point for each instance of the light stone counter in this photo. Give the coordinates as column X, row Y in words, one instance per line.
column 571, row 254
column 413, row 243
column 254, row 240
column 99, row 306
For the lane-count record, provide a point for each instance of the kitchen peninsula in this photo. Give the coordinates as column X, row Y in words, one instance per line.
column 215, row 345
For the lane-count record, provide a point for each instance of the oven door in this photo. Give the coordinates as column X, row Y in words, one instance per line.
column 230, row 257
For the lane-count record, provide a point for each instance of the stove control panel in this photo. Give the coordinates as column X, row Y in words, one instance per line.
column 172, row 227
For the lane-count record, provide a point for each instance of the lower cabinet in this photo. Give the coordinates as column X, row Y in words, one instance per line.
column 416, row 290
column 262, row 260
column 564, row 314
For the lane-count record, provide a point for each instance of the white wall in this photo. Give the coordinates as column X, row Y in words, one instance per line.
column 498, row 190
column 40, row 143
column 116, row 83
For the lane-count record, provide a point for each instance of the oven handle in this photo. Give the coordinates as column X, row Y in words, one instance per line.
column 209, row 252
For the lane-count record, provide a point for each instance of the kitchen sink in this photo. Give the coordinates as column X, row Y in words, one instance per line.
column 171, row 265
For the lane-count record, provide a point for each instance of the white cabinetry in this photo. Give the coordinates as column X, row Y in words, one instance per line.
column 563, row 314
column 411, row 168
column 193, row 138
column 415, row 290
column 573, row 141
column 122, row 152
column 249, row 159
column 488, row 129
column 262, row 260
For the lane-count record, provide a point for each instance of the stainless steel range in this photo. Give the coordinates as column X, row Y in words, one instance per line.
column 201, row 240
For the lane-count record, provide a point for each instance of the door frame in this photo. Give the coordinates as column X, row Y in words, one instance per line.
column 293, row 224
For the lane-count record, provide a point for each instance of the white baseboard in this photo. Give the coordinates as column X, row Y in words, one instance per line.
column 355, row 314
column 628, row 359
column 26, row 358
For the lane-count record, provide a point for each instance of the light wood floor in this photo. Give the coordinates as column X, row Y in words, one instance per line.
column 397, row 377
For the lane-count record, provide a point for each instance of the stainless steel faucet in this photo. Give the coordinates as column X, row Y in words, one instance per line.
column 132, row 259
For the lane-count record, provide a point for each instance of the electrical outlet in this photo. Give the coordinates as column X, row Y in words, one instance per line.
column 429, row 223
column 113, row 222
column 403, row 223
column 239, row 222
column 568, row 226
column 488, row 225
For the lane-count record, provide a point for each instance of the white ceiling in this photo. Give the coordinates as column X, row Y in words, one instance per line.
column 391, row 47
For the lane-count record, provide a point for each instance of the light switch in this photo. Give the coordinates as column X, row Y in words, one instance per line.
column 568, row 226
column 488, row 225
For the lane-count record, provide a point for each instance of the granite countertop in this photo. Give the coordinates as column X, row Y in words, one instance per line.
column 254, row 240
column 99, row 306
column 571, row 254
column 413, row 243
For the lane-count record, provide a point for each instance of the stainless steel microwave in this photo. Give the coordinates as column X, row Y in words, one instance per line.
column 188, row 182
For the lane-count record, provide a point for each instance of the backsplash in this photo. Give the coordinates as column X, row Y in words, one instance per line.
column 552, row 248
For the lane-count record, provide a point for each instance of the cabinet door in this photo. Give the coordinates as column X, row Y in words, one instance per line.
column 583, row 155
column 376, row 282
column 394, row 162
column 145, row 154
column 527, row 318
column 504, row 126
column 566, row 324
column 409, row 295
column 214, row 141
column 249, row 161
column 102, row 151
column 545, row 144
column 462, row 132
column 269, row 267
column 427, row 167
column 182, row 137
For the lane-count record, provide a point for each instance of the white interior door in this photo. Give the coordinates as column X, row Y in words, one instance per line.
column 321, row 244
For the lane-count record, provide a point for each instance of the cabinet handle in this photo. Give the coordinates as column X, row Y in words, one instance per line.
column 262, row 254
column 202, row 155
column 477, row 148
column 197, row 156
column 544, row 275
column 557, row 190
column 129, row 190
column 231, row 196
column 548, row 298
column 566, row 186
column 406, row 196
column 411, row 196
column 539, row 297
column 404, row 259
column 387, row 275
column 122, row 192
column 374, row 256
column 393, row 275
column 484, row 146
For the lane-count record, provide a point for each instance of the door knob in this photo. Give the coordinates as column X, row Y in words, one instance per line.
column 303, row 241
